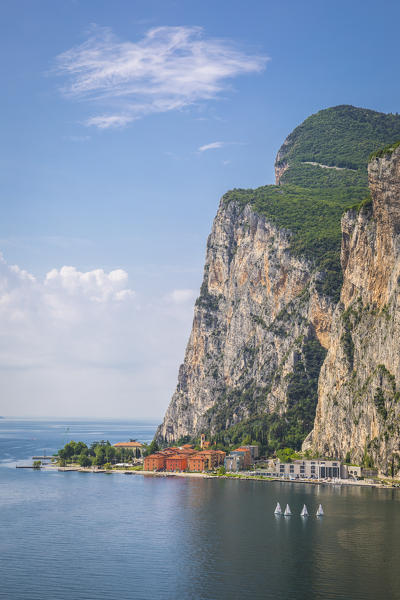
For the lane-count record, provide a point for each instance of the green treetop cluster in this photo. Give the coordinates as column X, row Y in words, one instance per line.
column 97, row 454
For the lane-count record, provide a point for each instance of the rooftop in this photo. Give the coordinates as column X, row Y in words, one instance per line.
column 128, row 445
column 177, row 457
column 158, row 455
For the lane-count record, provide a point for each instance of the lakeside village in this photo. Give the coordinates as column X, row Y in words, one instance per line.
column 208, row 461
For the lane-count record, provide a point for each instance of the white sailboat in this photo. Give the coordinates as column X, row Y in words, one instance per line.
column 288, row 512
column 304, row 512
column 320, row 512
column 278, row 510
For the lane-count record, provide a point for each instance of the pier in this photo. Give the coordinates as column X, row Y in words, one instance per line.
column 43, row 457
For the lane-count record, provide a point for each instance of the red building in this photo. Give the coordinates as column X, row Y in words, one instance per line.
column 176, row 462
column 198, row 462
column 181, row 459
column 154, row 462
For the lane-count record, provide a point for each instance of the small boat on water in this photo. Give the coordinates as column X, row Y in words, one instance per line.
column 304, row 512
column 288, row 512
column 320, row 512
column 278, row 510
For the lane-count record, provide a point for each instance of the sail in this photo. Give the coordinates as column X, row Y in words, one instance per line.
column 288, row 512
column 304, row 512
column 278, row 510
column 320, row 511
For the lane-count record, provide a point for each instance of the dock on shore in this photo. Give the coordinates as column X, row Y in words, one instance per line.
column 43, row 457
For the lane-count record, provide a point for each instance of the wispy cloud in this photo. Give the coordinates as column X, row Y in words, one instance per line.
column 212, row 146
column 169, row 69
column 107, row 121
column 216, row 145
column 77, row 138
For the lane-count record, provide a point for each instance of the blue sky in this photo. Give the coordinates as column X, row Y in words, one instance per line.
column 123, row 124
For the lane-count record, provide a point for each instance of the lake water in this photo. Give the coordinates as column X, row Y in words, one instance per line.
column 83, row 536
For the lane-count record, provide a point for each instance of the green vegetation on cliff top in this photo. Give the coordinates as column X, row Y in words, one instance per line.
column 310, row 199
column 386, row 151
column 341, row 136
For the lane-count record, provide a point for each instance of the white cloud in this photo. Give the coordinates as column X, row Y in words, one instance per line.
column 182, row 296
column 84, row 343
column 96, row 285
column 212, row 146
column 169, row 69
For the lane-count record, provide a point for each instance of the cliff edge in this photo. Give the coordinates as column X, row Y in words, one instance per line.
column 258, row 319
column 358, row 412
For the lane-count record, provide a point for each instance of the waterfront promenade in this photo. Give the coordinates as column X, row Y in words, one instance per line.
column 243, row 476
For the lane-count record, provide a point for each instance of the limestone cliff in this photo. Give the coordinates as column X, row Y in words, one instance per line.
column 258, row 315
column 272, row 279
column 358, row 410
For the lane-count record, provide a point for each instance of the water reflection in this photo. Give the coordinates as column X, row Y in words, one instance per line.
column 291, row 557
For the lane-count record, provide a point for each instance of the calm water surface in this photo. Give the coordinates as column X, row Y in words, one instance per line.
column 80, row 536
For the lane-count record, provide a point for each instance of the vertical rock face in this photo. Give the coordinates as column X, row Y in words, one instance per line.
column 358, row 409
column 266, row 316
column 257, row 314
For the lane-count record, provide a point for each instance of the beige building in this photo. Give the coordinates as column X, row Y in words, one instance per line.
column 234, row 462
column 253, row 451
column 136, row 447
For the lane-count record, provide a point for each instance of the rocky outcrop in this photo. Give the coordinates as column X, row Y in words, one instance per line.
column 257, row 315
column 358, row 411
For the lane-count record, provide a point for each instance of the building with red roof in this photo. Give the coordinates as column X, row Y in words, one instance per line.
column 154, row 462
column 136, row 447
column 176, row 462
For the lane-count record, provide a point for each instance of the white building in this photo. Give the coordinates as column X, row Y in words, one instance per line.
column 306, row 469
